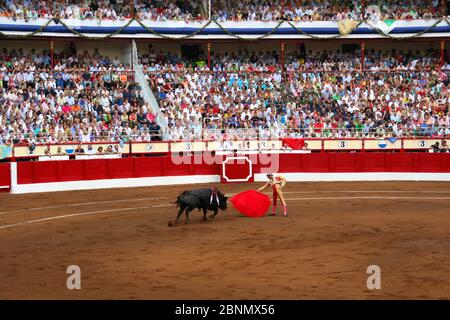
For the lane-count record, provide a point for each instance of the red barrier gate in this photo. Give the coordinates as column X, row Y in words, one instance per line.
column 237, row 169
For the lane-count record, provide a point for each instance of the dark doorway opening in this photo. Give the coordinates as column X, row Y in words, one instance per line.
column 190, row 51
column 350, row 48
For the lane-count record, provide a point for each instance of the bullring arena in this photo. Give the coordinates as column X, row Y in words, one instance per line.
column 120, row 239
column 125, row 250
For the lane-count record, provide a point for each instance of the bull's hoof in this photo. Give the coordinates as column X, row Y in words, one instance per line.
column 170, row 224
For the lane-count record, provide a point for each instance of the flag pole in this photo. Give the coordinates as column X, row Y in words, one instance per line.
column 209, row 10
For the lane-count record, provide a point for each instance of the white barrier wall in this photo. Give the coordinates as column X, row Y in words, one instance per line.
column 242, row 145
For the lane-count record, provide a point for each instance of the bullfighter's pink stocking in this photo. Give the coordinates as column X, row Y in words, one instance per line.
column 275, row 199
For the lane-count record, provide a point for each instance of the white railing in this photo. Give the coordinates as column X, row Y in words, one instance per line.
column 134, row 53
column 305, row 132
column 148, row 95
column 236, row 134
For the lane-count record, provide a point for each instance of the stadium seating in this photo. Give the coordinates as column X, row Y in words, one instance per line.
column 73, row 95
column 324, row 10
column 100, row 10
column 224, row 10
column 84, row 97
column 320, row 95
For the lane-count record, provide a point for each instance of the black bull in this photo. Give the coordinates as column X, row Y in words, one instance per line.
column 201, row 199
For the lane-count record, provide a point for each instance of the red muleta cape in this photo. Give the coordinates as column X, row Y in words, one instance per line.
column 251, row 203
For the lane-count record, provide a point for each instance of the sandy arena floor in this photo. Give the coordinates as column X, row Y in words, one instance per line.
column 121, row 241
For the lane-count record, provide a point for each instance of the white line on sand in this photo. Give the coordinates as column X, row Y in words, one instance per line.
column 231, row 194
column 371, row 191
column 71, row 215
column 358, row 191
column 80, row 204
column 156, row 206
column 369, row 198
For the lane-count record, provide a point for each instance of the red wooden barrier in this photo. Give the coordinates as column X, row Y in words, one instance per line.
column 79, row 170
column 5, row 177
column 98, row 169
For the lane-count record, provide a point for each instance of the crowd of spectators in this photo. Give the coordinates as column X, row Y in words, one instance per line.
column 324, row 10
column 169, row 10
column 404, row 9
column 440, row 148
column 262, row 10
column 88, row 96
column 300, row 60
column 66, row 9
column 320, row 94
column 84, row 97
column 159, row 10
column 223, row 10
